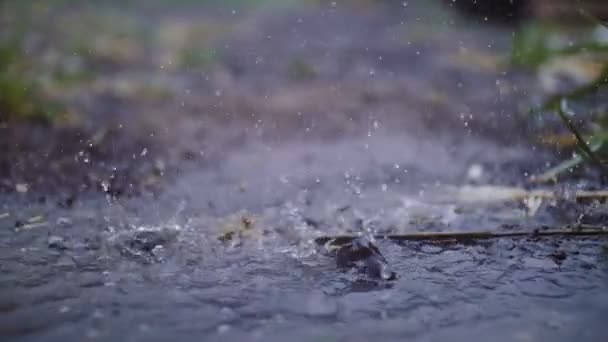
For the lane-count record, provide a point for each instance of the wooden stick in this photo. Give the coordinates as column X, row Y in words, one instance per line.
column 599, row 194
column 579, row 195
column 467, row 236
column 31, row 226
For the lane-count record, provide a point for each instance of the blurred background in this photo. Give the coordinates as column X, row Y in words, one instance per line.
column 184, row 77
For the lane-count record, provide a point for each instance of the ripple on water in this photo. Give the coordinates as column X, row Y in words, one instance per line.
column 261, row 290
column 314, row 304
column 543, row 287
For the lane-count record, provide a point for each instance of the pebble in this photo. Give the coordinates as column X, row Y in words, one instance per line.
column 147, row 240
column 56, row 242
column 21, row 188
column 363, row 255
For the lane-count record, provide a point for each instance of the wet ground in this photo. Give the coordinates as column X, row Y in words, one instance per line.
column 307, row 121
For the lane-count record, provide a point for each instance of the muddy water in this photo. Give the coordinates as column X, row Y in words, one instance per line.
column 154, row 268
column 375, row 144
column 272, row 289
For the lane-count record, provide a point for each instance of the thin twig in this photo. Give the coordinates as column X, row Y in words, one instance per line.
column 35, row 219
column 486, row 194
column 598, row 194
column 32, row 225
column 585, row 14
column 586, row 230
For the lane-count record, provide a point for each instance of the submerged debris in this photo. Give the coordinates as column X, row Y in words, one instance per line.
column 147, row 240
column 31, row 223
column 146, row 244
column 57, row 242
column 558, row 256
column 363, row 255
column 235, row 229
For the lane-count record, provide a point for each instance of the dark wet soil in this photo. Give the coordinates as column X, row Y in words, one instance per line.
column 313, row 121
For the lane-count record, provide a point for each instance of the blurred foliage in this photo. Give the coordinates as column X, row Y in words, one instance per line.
column 53, row 51
column 538, row 42
column 201, row 58
column 21, row 93
column 300, row 70
column 581, row 54
column 49, row 48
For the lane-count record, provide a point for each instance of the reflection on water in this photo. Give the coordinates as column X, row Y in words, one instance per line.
column 264, row 288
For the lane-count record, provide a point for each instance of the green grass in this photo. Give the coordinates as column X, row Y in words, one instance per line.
column 300, row 70
column 537, row 44
column 21, row 96
column 201, row 58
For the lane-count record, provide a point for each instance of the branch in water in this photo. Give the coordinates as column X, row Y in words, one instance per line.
column 581, row 230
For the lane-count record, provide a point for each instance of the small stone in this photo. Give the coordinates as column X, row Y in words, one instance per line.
column 363, row 255
column 56, row 242
column 21, row 188
column 559, row 256
column 146, row 245
column 147, row 240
